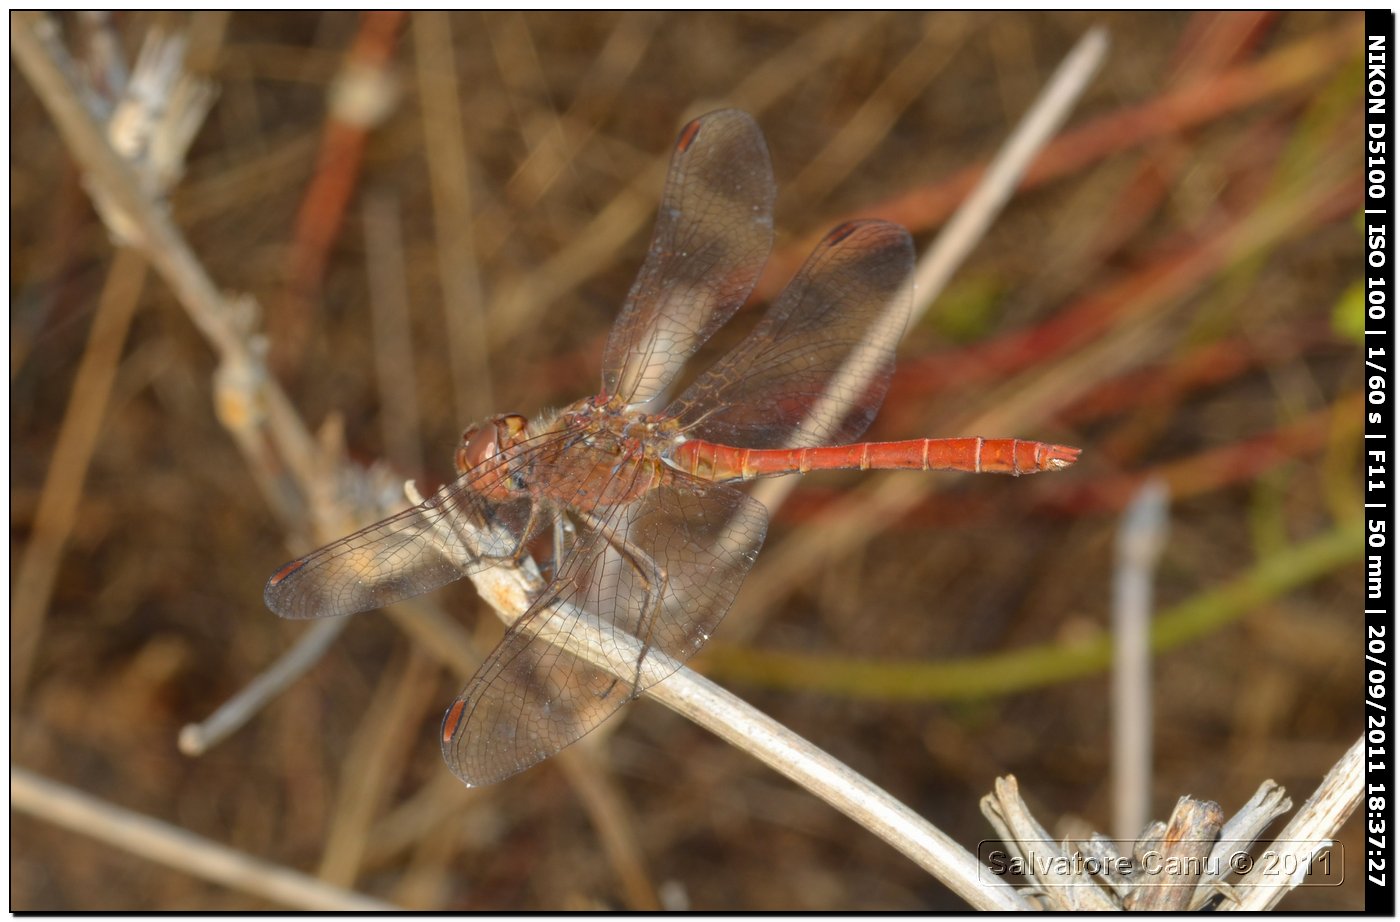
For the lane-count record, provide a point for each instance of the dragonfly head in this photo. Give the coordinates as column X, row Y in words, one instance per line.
column 482, row 442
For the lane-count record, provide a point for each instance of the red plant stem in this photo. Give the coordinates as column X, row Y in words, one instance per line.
column 1199, row 102
column 337, row 173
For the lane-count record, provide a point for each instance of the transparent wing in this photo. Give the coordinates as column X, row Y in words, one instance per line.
column 453, row 533
column 847, row 306
column 654, row 576
column 712, row 237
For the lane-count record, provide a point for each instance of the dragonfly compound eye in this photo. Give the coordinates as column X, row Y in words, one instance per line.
column 479, row 444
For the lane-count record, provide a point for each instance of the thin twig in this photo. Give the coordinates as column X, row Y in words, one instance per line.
column 1139, row 544
column 177, row 848
column 393, row 335
column 250, row 404
column 871, row 123
column 967, row 228
column 613, row 818
column 463, row 305
column 426, row 625
column 198, row 738
column 374, row 763
column 37, row 51
column 707, row 704
column 68, row 466
column 595, row 96
column 223, row 321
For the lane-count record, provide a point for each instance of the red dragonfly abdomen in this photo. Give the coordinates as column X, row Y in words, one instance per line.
column 712, row 461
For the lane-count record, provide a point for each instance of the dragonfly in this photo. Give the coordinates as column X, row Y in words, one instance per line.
column 640, row 495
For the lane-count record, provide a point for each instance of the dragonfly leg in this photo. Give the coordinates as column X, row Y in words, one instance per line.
column 563, row 533
column 654, row 578
column 522, row 545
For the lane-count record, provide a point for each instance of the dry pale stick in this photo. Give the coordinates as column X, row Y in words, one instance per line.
column 1139, row 544
column 1306, row 836
column 510, row 591
column 178, row 848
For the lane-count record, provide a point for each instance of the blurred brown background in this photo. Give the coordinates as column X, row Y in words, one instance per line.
column 1173, row 294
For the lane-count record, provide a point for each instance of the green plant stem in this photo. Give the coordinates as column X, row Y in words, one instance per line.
column 1033, row 667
